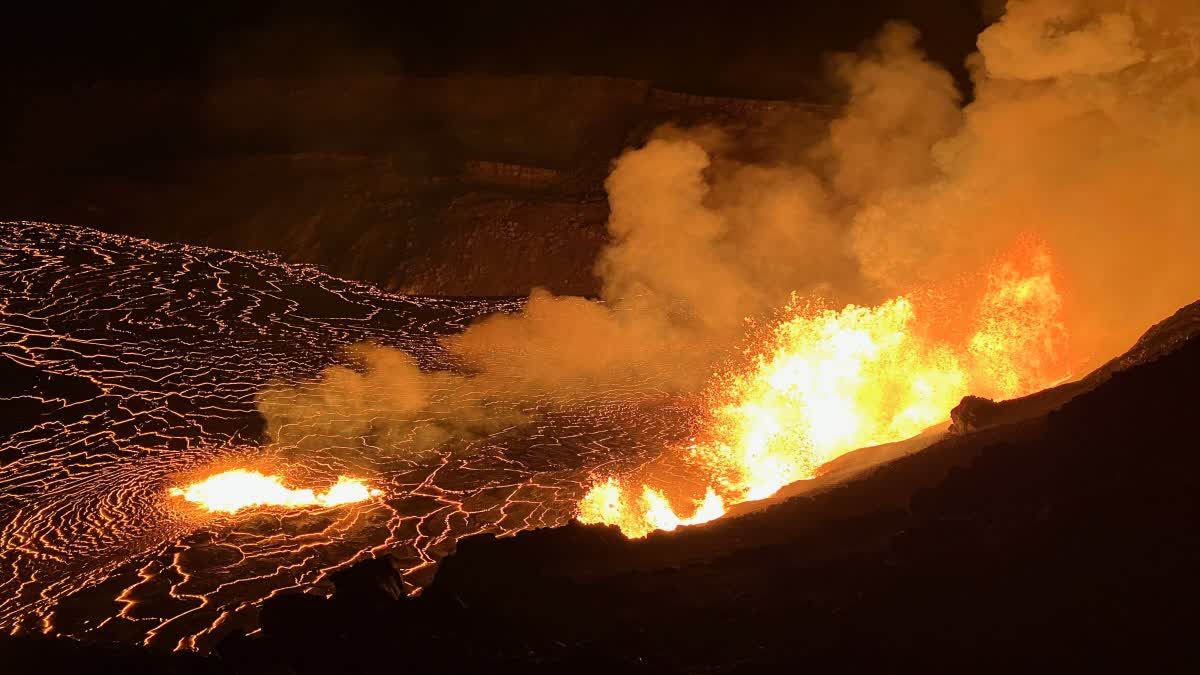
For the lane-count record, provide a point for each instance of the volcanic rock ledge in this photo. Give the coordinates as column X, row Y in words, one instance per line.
column 977, row 413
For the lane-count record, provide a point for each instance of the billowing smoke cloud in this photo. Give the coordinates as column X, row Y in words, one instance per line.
column 388, row 402
column 1083, row 131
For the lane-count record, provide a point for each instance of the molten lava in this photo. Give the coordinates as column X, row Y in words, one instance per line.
column 831, row 381
column 608, row 503
column 235, row 490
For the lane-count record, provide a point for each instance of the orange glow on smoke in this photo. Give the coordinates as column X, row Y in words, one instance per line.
column 830, row 381
column 232, row 491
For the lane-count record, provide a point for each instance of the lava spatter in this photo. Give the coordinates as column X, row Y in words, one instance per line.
column 827, row 381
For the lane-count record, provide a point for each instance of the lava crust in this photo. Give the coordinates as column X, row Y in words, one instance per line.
column 127, row 365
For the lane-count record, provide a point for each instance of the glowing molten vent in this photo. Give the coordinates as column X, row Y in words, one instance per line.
column 830, row 381
column 235, row 490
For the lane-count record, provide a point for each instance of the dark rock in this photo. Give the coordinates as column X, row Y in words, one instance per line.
column 296, row 615
column 973, row 412
column 374, row 582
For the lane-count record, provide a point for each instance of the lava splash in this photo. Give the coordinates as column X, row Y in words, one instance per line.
column 826, row 382
column 232, row 491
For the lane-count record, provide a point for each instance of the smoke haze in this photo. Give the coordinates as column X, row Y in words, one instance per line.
column 1082, row 131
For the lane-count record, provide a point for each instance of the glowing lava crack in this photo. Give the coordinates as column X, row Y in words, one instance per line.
column 238, row 489
column 126, row 364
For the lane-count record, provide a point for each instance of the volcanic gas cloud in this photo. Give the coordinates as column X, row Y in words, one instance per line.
column 818, row 297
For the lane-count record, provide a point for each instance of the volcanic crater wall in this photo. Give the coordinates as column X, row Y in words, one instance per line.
column 442, row 186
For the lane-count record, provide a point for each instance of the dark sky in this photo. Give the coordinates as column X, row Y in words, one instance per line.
column 736, row 48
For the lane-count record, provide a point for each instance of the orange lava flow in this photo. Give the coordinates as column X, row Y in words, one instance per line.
column 830, row 381
column 232, row 491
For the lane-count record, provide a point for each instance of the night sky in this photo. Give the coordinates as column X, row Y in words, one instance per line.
column 770, row 50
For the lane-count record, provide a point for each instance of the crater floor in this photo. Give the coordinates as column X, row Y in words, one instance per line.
column 126, row 364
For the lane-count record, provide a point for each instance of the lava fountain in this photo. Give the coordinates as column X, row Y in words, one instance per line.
column 232, row 491
column 830, row 381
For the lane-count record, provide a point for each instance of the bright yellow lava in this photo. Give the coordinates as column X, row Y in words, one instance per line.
column 831, row 381
column 239, row 489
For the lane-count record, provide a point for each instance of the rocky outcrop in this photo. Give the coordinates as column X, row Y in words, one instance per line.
column 975, row 413
column 1162, row 338
column 509, row 244
column 676, row 101
column 508, row 175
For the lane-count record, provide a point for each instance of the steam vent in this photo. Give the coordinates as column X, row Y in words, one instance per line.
column 621, row 338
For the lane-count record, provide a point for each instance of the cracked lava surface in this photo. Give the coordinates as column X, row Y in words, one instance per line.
column 129, row 367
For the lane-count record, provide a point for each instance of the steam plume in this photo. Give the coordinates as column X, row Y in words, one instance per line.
column 1083, row 131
